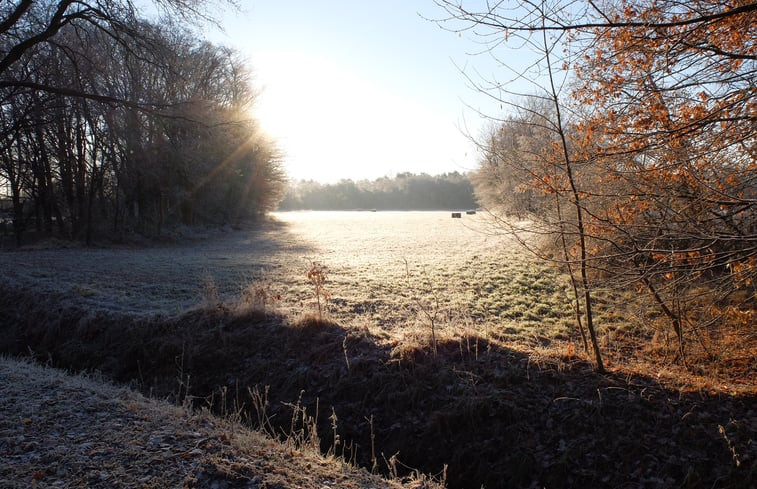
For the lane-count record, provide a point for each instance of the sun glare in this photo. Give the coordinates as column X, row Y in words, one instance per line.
column 333, row 124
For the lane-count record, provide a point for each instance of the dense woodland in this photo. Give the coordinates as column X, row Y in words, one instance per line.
column 635, row 157
column 113, row 124
column 406, row 191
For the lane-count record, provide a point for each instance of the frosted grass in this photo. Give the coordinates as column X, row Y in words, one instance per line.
column 472, row 271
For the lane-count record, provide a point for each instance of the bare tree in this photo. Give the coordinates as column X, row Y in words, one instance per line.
column 658, row 144
column 550, row 168
column 138, row 125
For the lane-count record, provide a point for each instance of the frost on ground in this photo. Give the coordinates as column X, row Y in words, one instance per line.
column 158, row 279
column 365, row 253
column 457, row 407
column 58, row 430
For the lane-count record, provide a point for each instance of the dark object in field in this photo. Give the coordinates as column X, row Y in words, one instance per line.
column 457, row 214
column 470, row 213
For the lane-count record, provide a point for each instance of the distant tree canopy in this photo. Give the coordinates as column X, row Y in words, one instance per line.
column 406, row 191
column 112, row 124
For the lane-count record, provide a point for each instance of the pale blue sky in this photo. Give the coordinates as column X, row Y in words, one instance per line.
column 360, row 89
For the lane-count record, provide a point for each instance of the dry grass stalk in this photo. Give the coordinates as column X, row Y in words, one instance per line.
column 317, row 275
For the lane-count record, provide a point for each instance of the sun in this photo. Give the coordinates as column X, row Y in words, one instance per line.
column 332, row 123
column 316, row 110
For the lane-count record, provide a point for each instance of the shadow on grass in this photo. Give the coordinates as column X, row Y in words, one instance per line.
column 497, row 417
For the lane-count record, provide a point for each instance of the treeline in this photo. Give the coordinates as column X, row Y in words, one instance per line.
column 406, row 191
column 110, row 124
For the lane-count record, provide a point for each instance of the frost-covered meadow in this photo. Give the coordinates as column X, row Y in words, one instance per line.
column 383, row 267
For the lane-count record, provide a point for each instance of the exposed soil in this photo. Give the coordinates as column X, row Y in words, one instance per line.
column 495, row 416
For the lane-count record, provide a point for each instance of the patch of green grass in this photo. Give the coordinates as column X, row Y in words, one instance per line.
column 83, row 291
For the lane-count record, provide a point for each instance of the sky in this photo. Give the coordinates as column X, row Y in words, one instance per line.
column 364, row 89
column 360, row 89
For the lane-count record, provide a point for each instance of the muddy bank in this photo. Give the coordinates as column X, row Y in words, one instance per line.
column 492, row 415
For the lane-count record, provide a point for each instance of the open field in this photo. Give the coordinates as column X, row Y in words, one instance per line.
column 507, row 401
column 472, row 272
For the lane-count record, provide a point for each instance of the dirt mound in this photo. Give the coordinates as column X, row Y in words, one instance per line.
column 490, row 415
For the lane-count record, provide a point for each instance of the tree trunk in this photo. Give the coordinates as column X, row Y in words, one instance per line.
column 579, row 212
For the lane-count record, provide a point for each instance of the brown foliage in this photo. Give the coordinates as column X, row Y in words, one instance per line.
column 662, row 148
